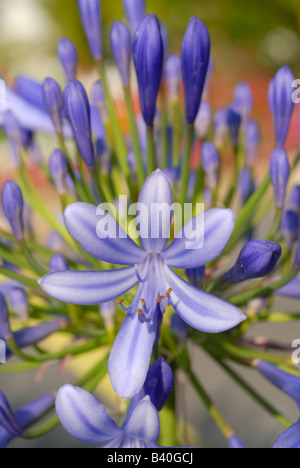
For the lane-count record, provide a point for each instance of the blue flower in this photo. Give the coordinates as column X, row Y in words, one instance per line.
column 135, row 11
column 151, row 268
column 68, row 57
column 14, row 424
column 252, row 139
column 234, row 122
column 53, row 102
column 58, row 167
column 279, row 172
column 173, row 76
column 243, row 100
column 84, row 417
column 90, row 14
column 120, row 41
column 235, row 443
column 13, row 204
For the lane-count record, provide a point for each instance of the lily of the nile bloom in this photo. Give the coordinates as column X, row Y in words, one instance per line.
column 289, row 384
column 86, row 419
column 30, row 90
column 13, row 205
column 220, row 127
column 173, row 76
column 257, row 259
column 14, row 425
column 294, row 199
column 234, row 122
column 68, row 57
column 279, row 172
column 235, row 443
column 203, row 120
column 58, row 168
column 120, row 42
column 289, row 228
column 281, row 103
column 135, row 11
column 246, row 184
column 151, row 269
column 19, row 302
column 252, row 139
column 91, row 18
column 243, row 100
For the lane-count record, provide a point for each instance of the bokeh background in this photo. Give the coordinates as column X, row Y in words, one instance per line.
column 250, row 41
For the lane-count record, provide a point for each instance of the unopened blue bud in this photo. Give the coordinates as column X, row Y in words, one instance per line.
column 30, row 90
column 281, row 103
column 243, row 100
column 279, row 172
column 165, row 37
column 12, row 205
column 68, row 57
column 257, row 259
column 210, row 163
column 53, row 102
column 13, row 132
column 58, row 168
column 235, row 443
column 58, row 263
column 7, row 419
column 135, row 12
column 19, row 303
column 289, row 227
column 294, row 200
column 79, row 114
column 195, row 52
column 252, row 139
column 203, row 120
column 220, row 127
column 246, row 184
column 55, row 242
column 98, row 99
column 234, row 122
column 148, row 54
column 120, row 41
column 159, row 383
column 173, row 76
column 5, row 332
column 196, row 276
column 91, row 18
column 179, row 327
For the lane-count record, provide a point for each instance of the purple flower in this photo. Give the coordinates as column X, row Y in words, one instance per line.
column 58, row 263
column 235, row 443
column 102, row 237
column 86, row 419
column 220, row 127
column 98, row 99
column 14, row 424
column 79, row 114
column 252, row 138
column 179, row 328
column 12, row 205
column 290, row 228
column 120, row 42
column 159, row 383
column 279, row 172
column 135, row 11
column 294, row 200
column 173, row 76
column 203, row 120
column 195, row 52
column 281, row 103
column 91, row 18
column 53, row 102
column 246, row 184
column 148, row 54
column 257, row 259
column 19, row 302
column 196, row 276
column 58, row 168
column 68, row 57
column 5, row 331
column 234, row 122
column 13, row 132
column 30, row 90
column 210, row 163
column 243, row 100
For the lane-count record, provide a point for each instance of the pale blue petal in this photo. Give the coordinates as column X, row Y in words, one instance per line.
column 200, row 310
column 290, row 439
column 155, row 202
column 193, row 247
column 291, row 289
column 143, row 422
column 114, row 443
column 130, row 356
column 88, row 287
column 83, row 416
column 101, row 237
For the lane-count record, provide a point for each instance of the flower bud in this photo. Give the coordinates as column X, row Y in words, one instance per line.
column 5, row 332
column 243, row 100
column 30, row 90
column 294, row 201
column 195, row 52
column 281, row 103
column 179, row 327
column 148, row 54
column 58, row 263
column 135, row 12
column 196, row 276
column 164, row 37
column 12, row 205
column 210, row 163
column 108, row 311
column 33, row 335
column 91, row 18
column 58, row 168
column 220, row 127
column 173, row 76
column 234, row 122
column 19, row 303
column 7, row 419
column 252, row 139
column 289, row 227
column 159, row 383
column 207, row 84
column 203, row 120
column 53, row 102
column 79, row 114
column 98, row 99
column 68, row 57
column 246, row 184
column 235, row 443
column 257, row 259
column 120, row 41
column 279, row 172
column 55, row 242
column 13, row 132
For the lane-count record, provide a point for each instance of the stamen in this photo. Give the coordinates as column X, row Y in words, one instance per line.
column 143, row 302
column 169, row 292
column 159, row 299
column 120, row 301
column 140, row 312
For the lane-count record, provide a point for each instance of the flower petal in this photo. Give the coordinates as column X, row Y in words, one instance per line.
column 191, row 250
column 200, row 310
column 291, row 289
column 155, row 203
column 143, row 422
column 88, row 287
column 101, row 236
column 34, row 410
column 129, row 358
column 83, row 416
column 290, row 439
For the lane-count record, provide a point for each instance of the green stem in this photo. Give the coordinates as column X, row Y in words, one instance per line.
column 150, row 150
column 176, row 134
column 186, row 162
column 275, row 225
column 22, row 279
column 31, row 260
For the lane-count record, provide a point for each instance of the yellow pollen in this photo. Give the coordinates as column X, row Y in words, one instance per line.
column 143, row 303
column 140, row 312
column 169, row 292
column 159, row 299
column 120, row 301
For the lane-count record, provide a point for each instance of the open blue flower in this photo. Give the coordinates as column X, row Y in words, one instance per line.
column 84, row 417
column 151, row 268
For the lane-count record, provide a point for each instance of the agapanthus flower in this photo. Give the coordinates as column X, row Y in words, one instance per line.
column 19, row 302
column 68, row 57
column 135, row 11
column 289, row 227
column 151, row 268
column 243, row 100
column 203, row 120
column 14, row 425
column 279, row 172
column 235, row 443
column 120, row 42
column 86, row 419
column 91, row 17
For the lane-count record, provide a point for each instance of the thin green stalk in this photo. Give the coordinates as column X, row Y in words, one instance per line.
column 22, row 279
column 275, row 225
column 96, row 183
column 31, row 260
column 151, row 159
column 164, row 129
column 186, row 162
column 176, row 133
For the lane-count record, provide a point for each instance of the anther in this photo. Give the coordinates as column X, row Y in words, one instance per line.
column 159, row 299
column 140, row 312
column 120, row 301
column 143, row 303
column 169, row 292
